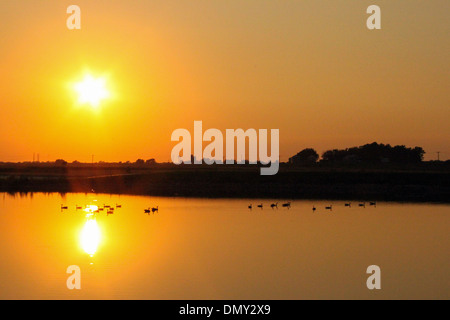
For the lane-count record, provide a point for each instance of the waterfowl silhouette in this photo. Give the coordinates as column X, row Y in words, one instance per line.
column 286, row 205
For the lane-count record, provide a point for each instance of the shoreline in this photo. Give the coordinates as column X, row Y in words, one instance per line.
column 213, row 182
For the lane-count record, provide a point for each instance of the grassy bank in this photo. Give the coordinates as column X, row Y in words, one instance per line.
column 388, row 184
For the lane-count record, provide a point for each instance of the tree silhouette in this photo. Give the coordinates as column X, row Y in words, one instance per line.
column 306, row 156
column 375, row 153
column 61, row 162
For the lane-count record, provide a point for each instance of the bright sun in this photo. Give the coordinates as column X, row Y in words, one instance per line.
column 92, row 91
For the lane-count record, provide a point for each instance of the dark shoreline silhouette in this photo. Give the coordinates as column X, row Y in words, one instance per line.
column 425, row 182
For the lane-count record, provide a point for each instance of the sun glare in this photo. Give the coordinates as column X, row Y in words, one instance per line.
column 92, row 91
column 90, row 237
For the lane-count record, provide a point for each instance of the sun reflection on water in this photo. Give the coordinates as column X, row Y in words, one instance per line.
column 90, row 237
column 90, row 210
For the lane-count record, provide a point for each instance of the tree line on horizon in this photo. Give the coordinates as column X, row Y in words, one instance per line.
column 372, row 153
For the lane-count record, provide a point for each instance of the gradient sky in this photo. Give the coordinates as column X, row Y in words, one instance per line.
column 309, row 68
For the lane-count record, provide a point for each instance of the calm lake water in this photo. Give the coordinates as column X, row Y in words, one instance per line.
column 219, row 249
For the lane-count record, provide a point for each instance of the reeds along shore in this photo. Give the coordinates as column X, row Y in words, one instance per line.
column 418, row 184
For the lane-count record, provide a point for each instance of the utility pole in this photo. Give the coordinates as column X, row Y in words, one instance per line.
column 438, row 155
column 92, row 159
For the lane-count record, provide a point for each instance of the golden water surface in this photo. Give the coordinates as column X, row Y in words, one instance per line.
column 219, row 249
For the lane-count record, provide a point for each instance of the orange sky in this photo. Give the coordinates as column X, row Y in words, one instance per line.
column 309, row 68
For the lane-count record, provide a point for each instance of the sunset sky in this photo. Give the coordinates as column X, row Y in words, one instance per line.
column 309, row 68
